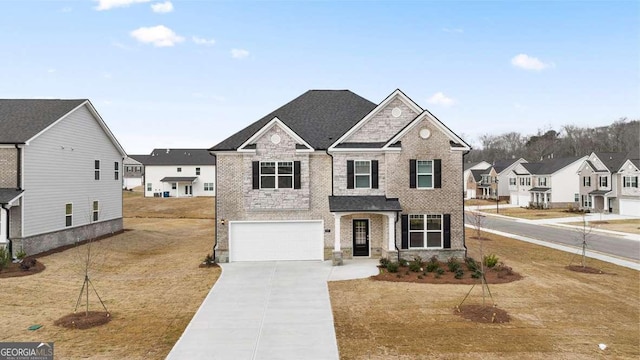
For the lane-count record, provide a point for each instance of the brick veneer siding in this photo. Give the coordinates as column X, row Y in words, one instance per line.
column 340, row 174
column 377, row 233
column 383, row 126
column 446, row 200
column 8, row 167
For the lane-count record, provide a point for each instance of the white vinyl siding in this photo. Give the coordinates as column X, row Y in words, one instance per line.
column 66, row 152
column 154, row 173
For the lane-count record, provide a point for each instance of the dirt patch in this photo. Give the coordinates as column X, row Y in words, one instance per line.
column 214, row 265
column 584, row 269
column 135, row 205
column 483, row 314
column 493, row 276
column 14, row 270
column 83, row 320
column 479, row 238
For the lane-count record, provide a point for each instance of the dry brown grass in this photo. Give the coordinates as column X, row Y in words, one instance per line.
column 148, row 277
column 532, row 214
column 476, row 202
column 555, row 313
column 136, row 205
column 631, row 226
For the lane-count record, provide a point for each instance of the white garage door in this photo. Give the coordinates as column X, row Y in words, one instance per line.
column 283, row 240
column 630, row 207
column 519, row 199
column 471, row 194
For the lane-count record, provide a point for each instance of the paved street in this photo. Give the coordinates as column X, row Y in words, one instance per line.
column 609, row 244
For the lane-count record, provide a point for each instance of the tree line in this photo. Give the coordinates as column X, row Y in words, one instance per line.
column 623, row 135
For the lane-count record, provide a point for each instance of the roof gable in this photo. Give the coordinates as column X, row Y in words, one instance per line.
column 274, row 122
column 164, row 157
column 317, row 116
column 551, row 166
column 455, row 141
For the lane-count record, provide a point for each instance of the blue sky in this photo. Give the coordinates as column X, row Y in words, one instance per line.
column 190, row 73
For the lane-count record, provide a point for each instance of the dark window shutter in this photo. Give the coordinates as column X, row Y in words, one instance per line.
column 256, row 174
column 446, row 228
column 437, row 173
column 374, row 174
column 405, row 232
column 412, row 173
column 296, row 175
column 349, row 174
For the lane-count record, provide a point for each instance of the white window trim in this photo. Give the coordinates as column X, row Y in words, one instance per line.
column 95, row 214
column 355, row 174
column 418, row 175
column 68, row 215
column 116, row 173
column 425, row 232
column 542, row 181
column 628, row 181
column 149, row 187
column 276, row 174
column 606, row 180
column 208, row 186
column 197, row 171
column 179, row 169
column 96, row 170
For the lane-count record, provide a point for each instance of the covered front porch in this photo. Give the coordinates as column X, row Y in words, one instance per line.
column 174, row 186
column 365, row 226
column 540, row 197
column 601, row 201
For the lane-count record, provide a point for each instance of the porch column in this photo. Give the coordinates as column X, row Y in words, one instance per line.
column 3, row 225
column 391, row 227
column 336, row 242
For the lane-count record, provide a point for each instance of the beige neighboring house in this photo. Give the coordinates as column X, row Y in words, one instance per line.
column 609, row 183
column 468, row 192
column 331, row 175
column 481, row 183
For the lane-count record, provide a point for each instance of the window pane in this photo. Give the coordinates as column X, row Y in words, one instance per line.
column 362, row 181
column 362, row 167
column 416, row 222
column 424, row 167
column 69, row 209
column 424, row 181
column 434, row 239
column 115, row 165
column 285, row 182
column 95, row 205
column 68, row 221
column 416, row 239
column 268, row 182
column 96, row 174
column 268, row 168
column 96, row 164
column 285, row 168
column 95, row 216
column 434, row 223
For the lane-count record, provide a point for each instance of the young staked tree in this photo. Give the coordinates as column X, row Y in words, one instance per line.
column 478, row 222
column 584, row 233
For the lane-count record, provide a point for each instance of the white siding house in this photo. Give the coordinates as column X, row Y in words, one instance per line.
column 68, row 174
column 471, row 193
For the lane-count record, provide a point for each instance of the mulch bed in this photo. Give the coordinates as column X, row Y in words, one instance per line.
column 214, row 265
column 81, row 320
column 585, row 269
column 480, row 238
column 14, row 270
column 483, row 314
column 492, row 276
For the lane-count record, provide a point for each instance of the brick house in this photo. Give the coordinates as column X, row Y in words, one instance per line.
column 60, row 174
column 331, row 175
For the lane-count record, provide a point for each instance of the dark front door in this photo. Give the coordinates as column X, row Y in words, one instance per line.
column 361, row 237
column 188, row 190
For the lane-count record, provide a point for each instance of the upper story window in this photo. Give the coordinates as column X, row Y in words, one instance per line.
column 586, row 181
column 525, row 181
column 179, row 169
column 95, row 211
column 425, row 231
column 424, row 171
column 604, row 181
column 96, row 169
column 275, row 175
column 68, row 210
column 486, row 179
column 542, row 181
column 362, row 174
column 425, row 174
column 630, row 181
column 197, row 171
column 116, row 170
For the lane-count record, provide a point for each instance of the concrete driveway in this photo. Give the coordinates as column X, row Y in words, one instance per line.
column 268, row 310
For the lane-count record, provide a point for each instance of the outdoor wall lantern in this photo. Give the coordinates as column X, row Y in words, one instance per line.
column 223, row 222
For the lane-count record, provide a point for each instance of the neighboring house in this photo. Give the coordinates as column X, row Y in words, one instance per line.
column 133, row 173
column 481, row 183
column 503, row 169
column 60, row 174
column 551, row 184
column 471, row 193
column 519, row 186
column 609, row 183
column 333, row 175
column 178, row 173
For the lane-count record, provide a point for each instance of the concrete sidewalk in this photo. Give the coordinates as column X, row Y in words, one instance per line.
column 268, row 310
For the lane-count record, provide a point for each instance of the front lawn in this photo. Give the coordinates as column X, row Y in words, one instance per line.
column 555, row 313
column 631, row 226
column 532, row 214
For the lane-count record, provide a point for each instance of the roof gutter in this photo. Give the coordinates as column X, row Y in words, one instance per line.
column 19, row 168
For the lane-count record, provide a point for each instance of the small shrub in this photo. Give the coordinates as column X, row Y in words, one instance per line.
column 416, row 264
column 5, row 257
column 477, row 274
column 209, row 260
column 420, row 277
column 425, row 273
column 21, row 254
column 439, row 271
column 27, row 264
column 384, row 262
column 406, row 272
column 459, row 273
column 490, row 260
column 403, row 262
column 398, row 275
column 472, row 264
column 453, row 264
column 392, row 267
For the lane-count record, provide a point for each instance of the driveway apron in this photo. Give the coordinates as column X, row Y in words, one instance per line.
column 263, row 310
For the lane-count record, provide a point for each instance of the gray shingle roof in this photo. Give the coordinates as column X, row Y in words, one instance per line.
column 540, row 189
column 21, row 119
column 363, row 203
column 613, row 161
column 179, row 179
column 177, row 157
column 500, row 165
column 8, row 194
column 477, row 173
column 320, row 117
column 550, row 166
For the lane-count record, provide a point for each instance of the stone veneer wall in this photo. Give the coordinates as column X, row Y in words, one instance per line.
column 8, row 167
column 383, row 126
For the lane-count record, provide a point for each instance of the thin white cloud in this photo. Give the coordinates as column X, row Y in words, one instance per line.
column 203, row 41
column 163, row 8
column 66, row 10
column 239, row 53
column 159, row 36
column 441, row 99
column 110, row 4
column 527, row 62
column 453, row 30
column 120, row 45
column 51, row 71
